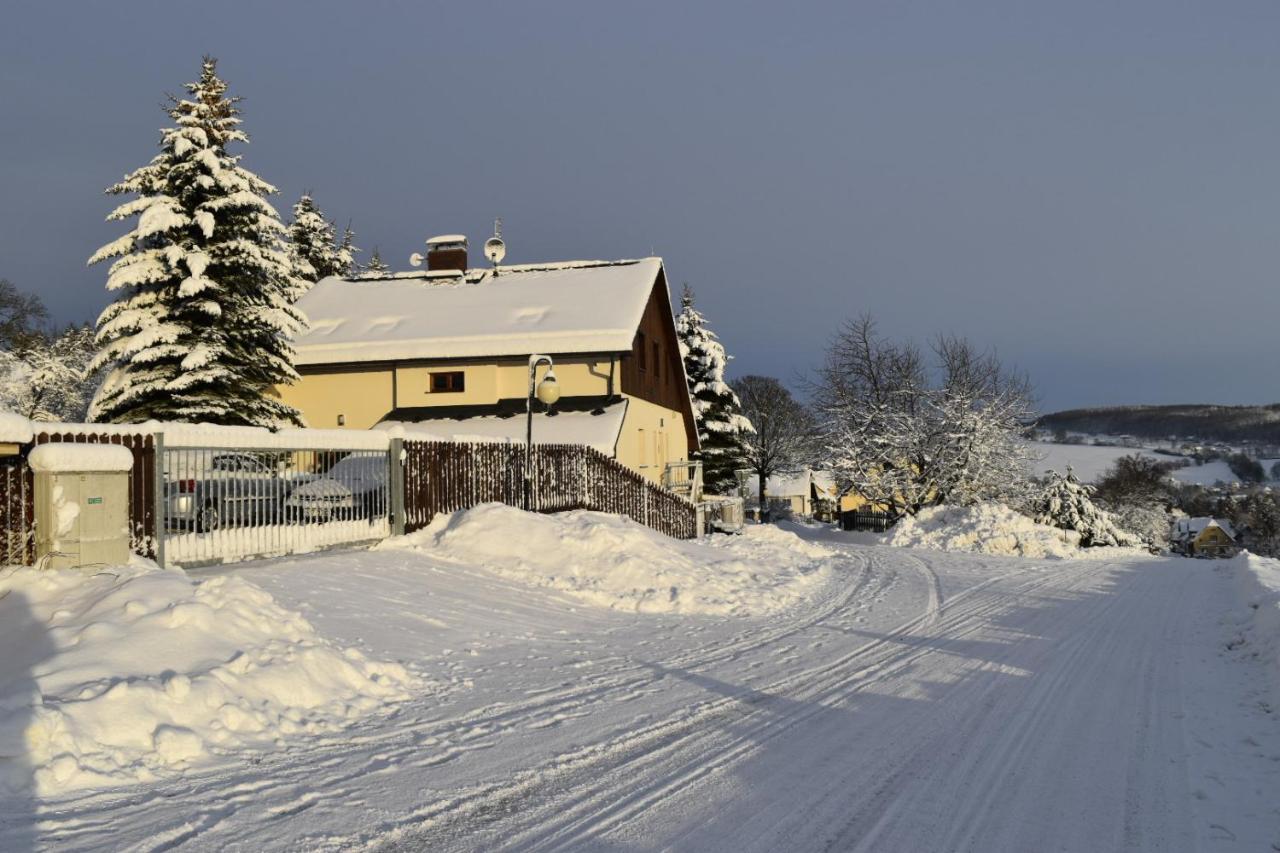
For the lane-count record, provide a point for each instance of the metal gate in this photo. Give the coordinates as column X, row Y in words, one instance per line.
column 220, row 505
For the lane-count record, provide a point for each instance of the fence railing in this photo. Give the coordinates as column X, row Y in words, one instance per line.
column 684, row 478
column 877, row 522
column 448, row 476
column 222, row 504
column 17, row 521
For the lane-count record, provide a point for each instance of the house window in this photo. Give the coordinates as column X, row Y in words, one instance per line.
column 644, row 365
column 451, row 381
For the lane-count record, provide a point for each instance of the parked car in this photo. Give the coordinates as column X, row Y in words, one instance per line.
column 225, row 490
column 354, row 488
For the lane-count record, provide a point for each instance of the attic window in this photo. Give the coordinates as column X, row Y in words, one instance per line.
column 640, row 348
column 447, row 382
column 657, row 361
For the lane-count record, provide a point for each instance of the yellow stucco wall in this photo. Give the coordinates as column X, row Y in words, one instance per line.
column 360, row 397
column 651, row 437
column 486, row 383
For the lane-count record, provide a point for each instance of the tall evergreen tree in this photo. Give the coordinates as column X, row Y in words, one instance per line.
column 721, row 424
column 203, row 315
column 314, row 246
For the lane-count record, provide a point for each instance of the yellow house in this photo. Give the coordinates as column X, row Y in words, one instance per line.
column 1203, row 537
column 446, row 350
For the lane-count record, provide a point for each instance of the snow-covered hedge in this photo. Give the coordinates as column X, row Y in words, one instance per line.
column 610, row 561
column 137, row 672
column 986, row 528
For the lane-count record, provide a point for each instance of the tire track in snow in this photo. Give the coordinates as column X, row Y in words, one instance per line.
column 430, row 742
column 613, row 771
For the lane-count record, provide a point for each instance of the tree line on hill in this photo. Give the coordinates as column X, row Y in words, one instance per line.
column 1205, row 423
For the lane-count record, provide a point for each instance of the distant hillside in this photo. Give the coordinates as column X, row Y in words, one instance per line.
column 1227, row 424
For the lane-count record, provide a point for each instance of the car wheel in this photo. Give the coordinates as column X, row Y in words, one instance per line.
column 208, row 519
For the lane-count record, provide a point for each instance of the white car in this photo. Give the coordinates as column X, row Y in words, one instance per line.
column 356, row 488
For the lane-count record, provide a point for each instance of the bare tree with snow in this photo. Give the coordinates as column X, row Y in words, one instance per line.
column 203, row 315
column 783, row 438
column 904, row 436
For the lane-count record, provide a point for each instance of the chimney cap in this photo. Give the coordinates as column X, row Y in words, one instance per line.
column 446, row 239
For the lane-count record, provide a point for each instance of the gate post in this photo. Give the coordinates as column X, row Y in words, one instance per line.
column 158, row 497
column 396, row 460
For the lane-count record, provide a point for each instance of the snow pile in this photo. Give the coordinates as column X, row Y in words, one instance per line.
column 1258, row 586
column 986, row 528
column 14, row 428
column 611, row 561
column 63, row 457
column 136, row 672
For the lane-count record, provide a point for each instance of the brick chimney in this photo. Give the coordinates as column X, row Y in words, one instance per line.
column 447, row 252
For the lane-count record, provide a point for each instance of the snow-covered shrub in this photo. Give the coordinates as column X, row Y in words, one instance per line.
column 985, row 528
column 1149, row 523
column 1067, row 503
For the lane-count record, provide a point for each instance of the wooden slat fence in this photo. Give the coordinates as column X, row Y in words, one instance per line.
column 17, row 520
column 448, row 476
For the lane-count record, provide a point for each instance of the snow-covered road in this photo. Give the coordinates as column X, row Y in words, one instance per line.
column 923, row 701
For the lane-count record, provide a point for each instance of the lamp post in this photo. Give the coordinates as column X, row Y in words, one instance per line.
column 548, row 391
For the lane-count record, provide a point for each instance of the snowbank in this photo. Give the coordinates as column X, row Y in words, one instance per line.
column 137, row 672
column 990, row 528
column 63, row 457
column 1257, row 581
column 611, row 561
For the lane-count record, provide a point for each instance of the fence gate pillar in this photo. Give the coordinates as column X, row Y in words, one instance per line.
column 158, row 497
column 395, row 458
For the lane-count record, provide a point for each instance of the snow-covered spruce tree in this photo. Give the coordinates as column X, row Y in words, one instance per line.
column 1067, row 503
column 721, row 424
column 200, row 328
column 314, row 246
column 376, row 265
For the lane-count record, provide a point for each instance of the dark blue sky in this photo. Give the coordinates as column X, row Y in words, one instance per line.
column 1092, row 188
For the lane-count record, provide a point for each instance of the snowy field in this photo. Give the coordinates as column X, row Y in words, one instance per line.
column 1090, row 463
column 831, row 696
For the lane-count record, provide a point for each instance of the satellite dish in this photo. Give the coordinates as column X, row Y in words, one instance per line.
column 495, row 250
column 416, row 259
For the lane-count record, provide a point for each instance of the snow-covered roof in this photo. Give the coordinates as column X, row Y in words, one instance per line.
column 594, row 430
column 1195, row 526
column 577, row 306
column 784, row 485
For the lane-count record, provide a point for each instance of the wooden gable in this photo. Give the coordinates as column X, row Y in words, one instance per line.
column 653, row 370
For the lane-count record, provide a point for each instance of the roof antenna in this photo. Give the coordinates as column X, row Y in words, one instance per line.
column 494, row 249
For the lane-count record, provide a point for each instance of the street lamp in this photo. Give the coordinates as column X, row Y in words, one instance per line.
column 548, row 391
